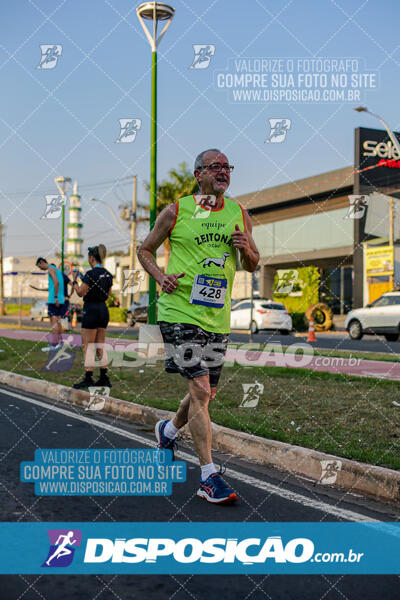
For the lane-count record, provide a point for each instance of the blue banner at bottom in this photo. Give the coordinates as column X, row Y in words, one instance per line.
column 212, row 548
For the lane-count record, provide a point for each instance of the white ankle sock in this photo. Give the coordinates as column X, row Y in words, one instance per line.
column 207, row 470
column 170, row 430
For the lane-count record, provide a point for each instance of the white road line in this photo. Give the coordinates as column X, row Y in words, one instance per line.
column 324, row 507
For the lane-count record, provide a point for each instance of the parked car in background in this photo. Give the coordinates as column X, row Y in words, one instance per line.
column 255, row 297
column 39, row 310
column 267, row 314
column 380, row 317
column 137, row 311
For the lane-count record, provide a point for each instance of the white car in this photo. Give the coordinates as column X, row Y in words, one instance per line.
column 380, row 317
column 39, row 310
column 267, row 314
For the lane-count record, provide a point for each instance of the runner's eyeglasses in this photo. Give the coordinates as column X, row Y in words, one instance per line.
column 217, row 167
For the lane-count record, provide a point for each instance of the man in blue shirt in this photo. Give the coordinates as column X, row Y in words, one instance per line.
column 56, row 308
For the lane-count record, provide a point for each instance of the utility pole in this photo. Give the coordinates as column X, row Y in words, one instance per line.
column 1, row 271
column 252, row 275
column 63, row 184
column 391, row 240
column 133, row 238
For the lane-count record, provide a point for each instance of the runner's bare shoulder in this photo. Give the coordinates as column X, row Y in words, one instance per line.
column 167, row 216
column 169, row 212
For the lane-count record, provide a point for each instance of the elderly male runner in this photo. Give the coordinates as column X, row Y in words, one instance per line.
column 195, row 303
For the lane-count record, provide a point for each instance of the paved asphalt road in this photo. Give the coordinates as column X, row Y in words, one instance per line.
column 30, row 422
column 331, row 341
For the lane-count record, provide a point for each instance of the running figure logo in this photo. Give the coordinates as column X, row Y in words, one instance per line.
column 132, row 280
column 50, row 55
column 251, row 394
column 201, row 199
column 63, row 543
column 358, row 206
column 97, row 398
column 61, row 360
column 128, row 130
column 286, row 282
column 202, row 56
column 329, row 471
column 53, row 206
column 278, row 130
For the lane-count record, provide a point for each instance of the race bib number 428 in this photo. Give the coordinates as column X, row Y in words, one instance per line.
column 208, row 291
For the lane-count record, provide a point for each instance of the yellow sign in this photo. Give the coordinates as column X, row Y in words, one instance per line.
column 379, row 261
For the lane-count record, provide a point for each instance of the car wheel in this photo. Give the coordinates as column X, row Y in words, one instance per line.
column 284, row 331
column 132, row 323
column 355, row 330
column 253, row 327
column 391, row 337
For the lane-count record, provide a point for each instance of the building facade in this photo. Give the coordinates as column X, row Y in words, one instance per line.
column 317, row 221
column 305, row 223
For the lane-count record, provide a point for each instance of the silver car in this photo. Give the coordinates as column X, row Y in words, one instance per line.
column 39, row 310
column 267, row 314
column 380, row 317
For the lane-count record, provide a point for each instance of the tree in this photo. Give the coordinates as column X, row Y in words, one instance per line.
column 179, row 184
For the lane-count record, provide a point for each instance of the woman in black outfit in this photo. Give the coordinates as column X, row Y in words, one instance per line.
column 94, row 289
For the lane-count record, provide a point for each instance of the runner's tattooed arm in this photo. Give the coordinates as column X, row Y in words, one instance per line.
column 243, row 241
column 156, row 237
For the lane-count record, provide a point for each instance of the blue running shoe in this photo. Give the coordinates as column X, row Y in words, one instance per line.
column 215, row 490
column 164, row 443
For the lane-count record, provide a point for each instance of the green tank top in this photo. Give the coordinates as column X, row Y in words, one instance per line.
column 202, row 248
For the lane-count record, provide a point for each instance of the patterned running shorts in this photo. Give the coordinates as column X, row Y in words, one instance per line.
column 193, row 352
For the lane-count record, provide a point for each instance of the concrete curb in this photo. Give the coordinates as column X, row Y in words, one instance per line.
column 376, row 482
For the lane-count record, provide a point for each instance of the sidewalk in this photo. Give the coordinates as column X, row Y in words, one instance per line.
column 74, row 339
column 329, row 364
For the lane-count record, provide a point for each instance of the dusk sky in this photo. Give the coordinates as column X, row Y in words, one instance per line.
column 65, row 120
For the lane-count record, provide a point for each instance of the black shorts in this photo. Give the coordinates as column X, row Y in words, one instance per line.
column 193, row 352
column 66, row 308
column 95, row 315
column 55, row 311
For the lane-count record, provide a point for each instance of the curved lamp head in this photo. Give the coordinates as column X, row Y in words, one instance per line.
column 155, row 11
column 63, row 184
column 162, row 11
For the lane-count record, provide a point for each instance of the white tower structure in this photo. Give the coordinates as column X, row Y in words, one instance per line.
column 74, row 240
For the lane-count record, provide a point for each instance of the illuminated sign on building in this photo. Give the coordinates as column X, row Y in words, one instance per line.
column 377, row 159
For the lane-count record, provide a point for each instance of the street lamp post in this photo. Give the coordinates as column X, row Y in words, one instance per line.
column 396, row 145
column 386, row 126
column 63, row 184
column 113, row 213
column 154, row 11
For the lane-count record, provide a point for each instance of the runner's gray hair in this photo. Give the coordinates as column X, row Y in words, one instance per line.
column 198, row 163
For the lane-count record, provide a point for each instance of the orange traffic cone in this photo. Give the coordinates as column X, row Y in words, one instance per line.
column 311, row 332
column 74, row 319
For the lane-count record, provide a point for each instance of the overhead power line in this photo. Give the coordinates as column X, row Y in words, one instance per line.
column 122, row 181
